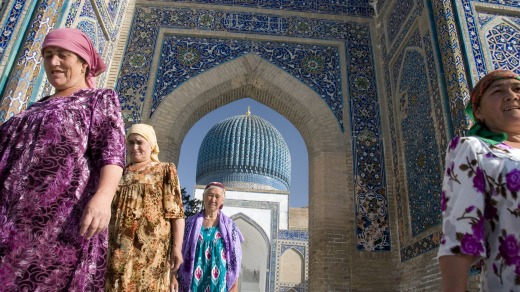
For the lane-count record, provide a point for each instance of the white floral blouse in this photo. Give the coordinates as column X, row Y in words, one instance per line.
column 481, row 209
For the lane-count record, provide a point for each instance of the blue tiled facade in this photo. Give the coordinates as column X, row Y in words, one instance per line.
column 395, row 55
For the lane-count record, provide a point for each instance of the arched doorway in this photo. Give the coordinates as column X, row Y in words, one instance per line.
column 329, row 158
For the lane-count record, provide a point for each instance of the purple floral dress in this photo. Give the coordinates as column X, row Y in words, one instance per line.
column 50, row 160
column 481, row 209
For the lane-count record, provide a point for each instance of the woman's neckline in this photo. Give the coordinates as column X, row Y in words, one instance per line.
column 51, row 97
column 140, row 168
column 209, row 222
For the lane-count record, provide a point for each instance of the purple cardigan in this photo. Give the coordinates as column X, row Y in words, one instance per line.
column 232, row 241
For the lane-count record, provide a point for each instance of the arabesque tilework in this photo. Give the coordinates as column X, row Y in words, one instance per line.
column 25, row 70
column 494, row 37
column 351, row 7
column 191, row 56
column 8, row 29
column 27, row 74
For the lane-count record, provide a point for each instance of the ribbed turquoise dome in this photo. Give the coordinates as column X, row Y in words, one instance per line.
column 245, row 151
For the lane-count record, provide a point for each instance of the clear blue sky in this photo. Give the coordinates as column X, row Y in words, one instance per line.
column 299, row 188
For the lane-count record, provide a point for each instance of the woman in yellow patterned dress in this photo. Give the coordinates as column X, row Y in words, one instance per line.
column 147, row 228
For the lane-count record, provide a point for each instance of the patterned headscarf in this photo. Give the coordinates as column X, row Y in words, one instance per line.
column 479, row 129
column 147, row 132
column 212, row 185
column 76, row 41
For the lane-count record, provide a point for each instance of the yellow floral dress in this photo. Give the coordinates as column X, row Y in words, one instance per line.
column 140, row 231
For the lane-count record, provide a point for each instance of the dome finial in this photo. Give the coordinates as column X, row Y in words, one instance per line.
column 248, row 111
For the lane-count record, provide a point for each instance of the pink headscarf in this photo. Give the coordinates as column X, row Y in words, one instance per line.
column 76, row 41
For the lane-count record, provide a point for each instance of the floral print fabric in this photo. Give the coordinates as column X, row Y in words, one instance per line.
column 232, row 240
column 481, row 209
column 210, row 262
column 140, row 230
column 50, row 160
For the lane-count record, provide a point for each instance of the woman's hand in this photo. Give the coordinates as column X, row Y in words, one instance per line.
column 96, row 215
column 176, row 260
column 174, row 284
column 178, row 235
column 234, row 288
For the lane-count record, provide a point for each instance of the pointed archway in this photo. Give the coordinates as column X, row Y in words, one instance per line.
column 329, row 152
column 255, row 255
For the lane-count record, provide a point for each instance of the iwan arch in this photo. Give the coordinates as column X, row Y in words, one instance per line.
column 254, row 77
column 376, row 89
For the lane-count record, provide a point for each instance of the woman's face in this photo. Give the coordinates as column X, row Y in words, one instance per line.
column 213, row 199
column 499, row 107
column 64, row 69
column 139, row 149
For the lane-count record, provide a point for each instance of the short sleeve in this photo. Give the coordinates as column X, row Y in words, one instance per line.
column 107, row 138
column 463, row 200
column 172, row 198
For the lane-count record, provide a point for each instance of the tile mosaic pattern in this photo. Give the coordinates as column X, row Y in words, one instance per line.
column 501, row 42
column 350, row 7
column 14, row 16
column 73, row 11
column 421, row 51
column 136, row 65
column 397, row 17
column 297, row 59
column 28, row 65
column 511, row 3
column 185, row 57
column 112, row 14
column 246, row 149
column 28, row 74
column 423, row 172
column 421, row 246
column 302, row 235
column 405, row 27
column 112, row 7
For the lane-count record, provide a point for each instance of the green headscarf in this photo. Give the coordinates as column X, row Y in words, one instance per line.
column 480, row 129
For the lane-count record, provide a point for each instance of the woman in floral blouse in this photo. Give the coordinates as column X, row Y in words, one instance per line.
column 480, row 194
column 147, row 228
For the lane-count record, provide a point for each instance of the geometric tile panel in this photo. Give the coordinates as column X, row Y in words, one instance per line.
column 421, row 246
column 503, row 41
column 418, row 75
column 21, row 83
column 185, row 57
column 493, row 36
column 423, row 173
column 511, row 3
column 300, row 235
column 350, row 7
column 398, row 16
column 7, row 31
column 112, row 14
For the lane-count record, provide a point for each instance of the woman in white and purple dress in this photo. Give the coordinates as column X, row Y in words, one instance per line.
column 60, row 163
column 480, row 202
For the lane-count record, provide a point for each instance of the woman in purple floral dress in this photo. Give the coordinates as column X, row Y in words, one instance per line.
column 60, row 163
column 480, row 194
